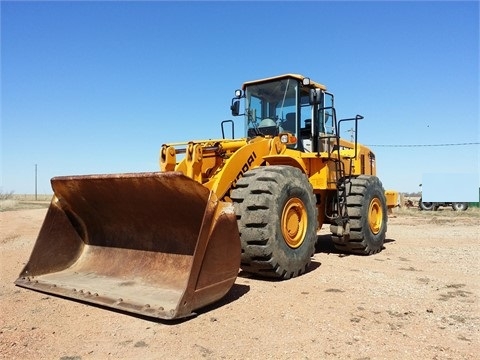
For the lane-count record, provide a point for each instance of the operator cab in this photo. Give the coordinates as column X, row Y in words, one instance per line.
column 287, row 103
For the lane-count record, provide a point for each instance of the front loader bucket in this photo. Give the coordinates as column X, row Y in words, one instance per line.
column 156, row 244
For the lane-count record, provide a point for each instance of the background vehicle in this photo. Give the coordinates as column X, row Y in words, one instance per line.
column 164, row 244
column 457, row 206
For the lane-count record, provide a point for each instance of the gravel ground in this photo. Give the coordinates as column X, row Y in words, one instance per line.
column 417, row 299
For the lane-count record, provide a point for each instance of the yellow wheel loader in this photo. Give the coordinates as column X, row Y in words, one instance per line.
column 165, row 244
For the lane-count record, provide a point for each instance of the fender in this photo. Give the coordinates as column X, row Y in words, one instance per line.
column 247, row 166
column 244, row 159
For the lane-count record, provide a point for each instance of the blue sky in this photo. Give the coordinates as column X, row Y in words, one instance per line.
column 97, row 87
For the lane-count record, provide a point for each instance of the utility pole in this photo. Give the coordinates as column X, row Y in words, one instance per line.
column 352, row 134
column 35, row 182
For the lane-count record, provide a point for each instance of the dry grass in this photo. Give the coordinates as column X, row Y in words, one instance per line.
column 472, row 212
column 31, row 197
column 8, row 204
column 444, row 216
column 10, row 201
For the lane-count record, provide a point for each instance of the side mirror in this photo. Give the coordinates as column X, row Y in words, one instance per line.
column 235, row 107
column 315, row 96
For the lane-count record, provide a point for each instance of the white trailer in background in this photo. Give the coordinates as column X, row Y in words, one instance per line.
column 455, row 190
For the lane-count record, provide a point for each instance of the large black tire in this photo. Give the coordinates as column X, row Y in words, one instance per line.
column 460, row 206
column 277, row 219
column 427, row 206
column 367, row 212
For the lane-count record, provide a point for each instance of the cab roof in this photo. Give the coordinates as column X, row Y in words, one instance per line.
column 299, row 77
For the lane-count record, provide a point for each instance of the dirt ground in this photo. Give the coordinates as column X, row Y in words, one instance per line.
column 417, row 299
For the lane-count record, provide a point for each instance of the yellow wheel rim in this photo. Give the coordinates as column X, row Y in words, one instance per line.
column 375, row 216
column 294, row 222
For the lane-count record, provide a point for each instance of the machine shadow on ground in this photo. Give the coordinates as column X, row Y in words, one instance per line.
column 325, row 245
column 235, row 293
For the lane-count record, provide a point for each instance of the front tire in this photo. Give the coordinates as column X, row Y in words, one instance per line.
column 277, row 219
column 426, row 206
column 367, row 213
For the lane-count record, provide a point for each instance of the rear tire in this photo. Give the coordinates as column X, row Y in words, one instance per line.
column 277, row 219
column 367, row 212
column 460, row 206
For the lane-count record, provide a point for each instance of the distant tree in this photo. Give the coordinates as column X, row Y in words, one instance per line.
column 413, row 194
column 6, row 195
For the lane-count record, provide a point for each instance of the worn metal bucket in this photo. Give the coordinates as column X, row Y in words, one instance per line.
column 156, row 244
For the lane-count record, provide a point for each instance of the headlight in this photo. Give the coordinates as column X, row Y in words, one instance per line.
column 287, row 138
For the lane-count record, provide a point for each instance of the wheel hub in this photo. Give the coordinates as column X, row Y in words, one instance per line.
column 294, row 222
column 375, row 216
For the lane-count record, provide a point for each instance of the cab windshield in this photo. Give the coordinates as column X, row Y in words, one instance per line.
column 271, row 107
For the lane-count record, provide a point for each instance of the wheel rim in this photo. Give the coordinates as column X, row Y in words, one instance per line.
column 375, row 216
column 294, row 222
